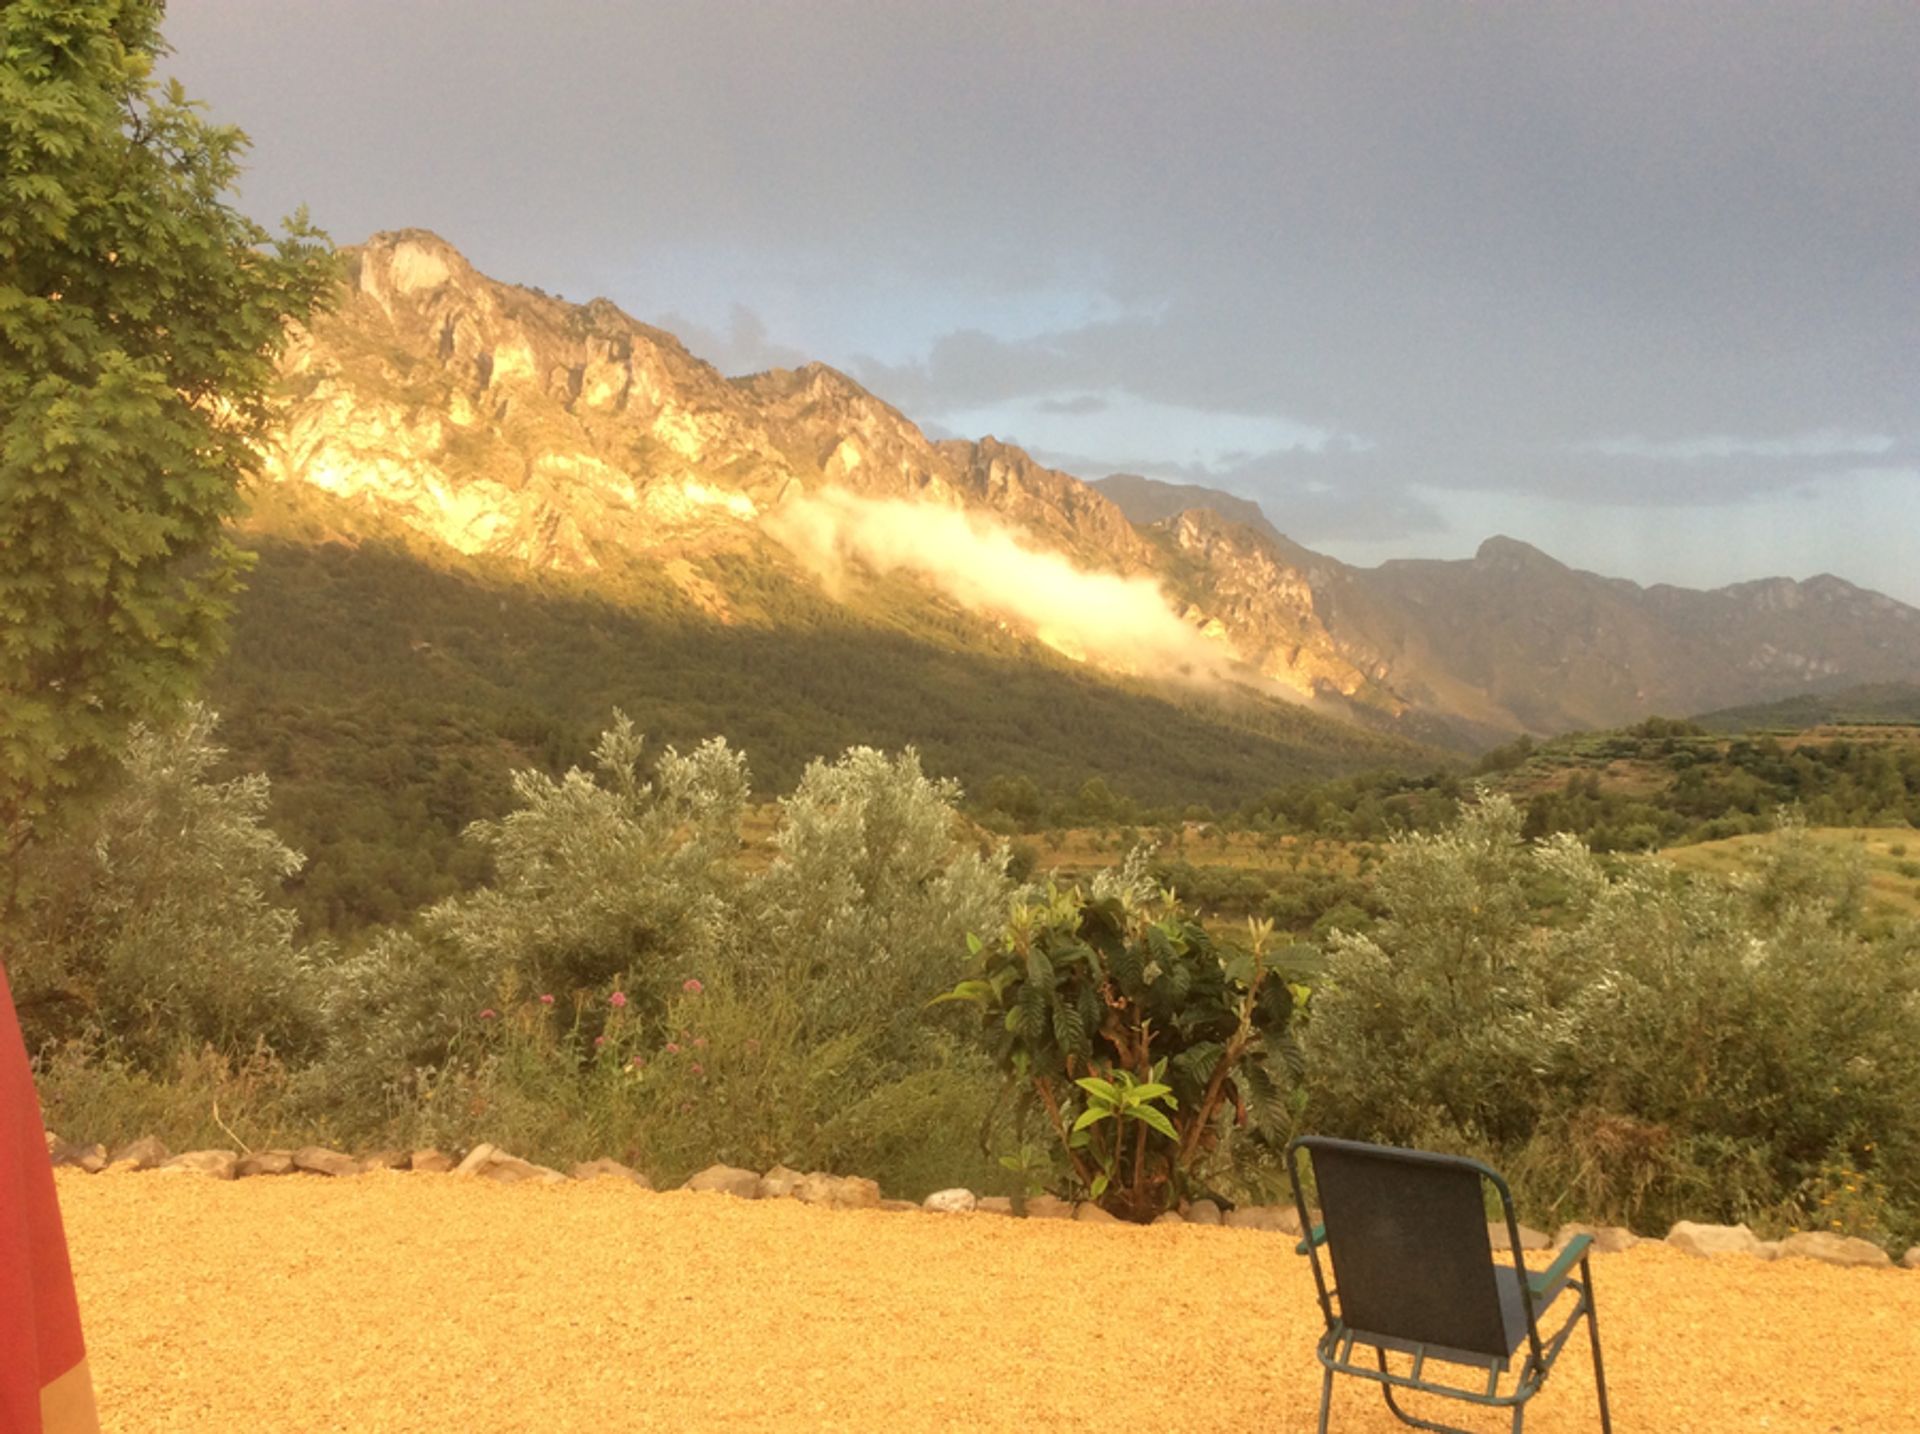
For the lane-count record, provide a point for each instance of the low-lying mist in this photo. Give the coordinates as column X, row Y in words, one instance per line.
column 1113, row 621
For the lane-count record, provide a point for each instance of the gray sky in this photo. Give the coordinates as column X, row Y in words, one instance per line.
column 1637, row 283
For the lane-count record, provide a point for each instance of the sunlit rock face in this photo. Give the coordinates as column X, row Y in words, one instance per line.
column 503, row 422
column 1268, row 608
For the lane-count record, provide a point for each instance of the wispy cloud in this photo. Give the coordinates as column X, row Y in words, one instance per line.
column 1113, row 621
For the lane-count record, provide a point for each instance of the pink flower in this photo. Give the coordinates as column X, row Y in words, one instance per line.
column 546, row 1000
column 697, row 1068
column 692, row 986
column 673, row 1048
column 488, row 1014
column 599, row 1041
column 617, row 999
column 639, row 1064
column 699, row 1043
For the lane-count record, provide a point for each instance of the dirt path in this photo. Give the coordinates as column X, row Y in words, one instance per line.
column 403, row 1302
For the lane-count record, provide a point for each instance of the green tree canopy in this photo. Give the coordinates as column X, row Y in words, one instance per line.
column 140, row 315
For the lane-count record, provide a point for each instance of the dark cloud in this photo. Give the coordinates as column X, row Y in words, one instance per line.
column 1079, row 404
column 1479, row 239
column 743, row 347
column 1311, row 500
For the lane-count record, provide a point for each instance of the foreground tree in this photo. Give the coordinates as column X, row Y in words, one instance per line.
column 139, row 317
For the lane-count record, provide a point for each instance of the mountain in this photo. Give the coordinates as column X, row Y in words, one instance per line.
column 1512, row 637
column 455, row 416
column 1149, row 500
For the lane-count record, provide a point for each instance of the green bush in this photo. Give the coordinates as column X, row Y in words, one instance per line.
column 1635, row 1048
column 1142, row 1043
column 157, row 923
column 699, row 1012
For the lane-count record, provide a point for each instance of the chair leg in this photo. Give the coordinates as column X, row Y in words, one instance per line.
column 1593, row 1334
column 1418, row 1423
column 1326, row 1400
column 1386, row 1393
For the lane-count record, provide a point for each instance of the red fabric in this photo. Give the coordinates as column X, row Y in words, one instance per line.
column 39, row 1317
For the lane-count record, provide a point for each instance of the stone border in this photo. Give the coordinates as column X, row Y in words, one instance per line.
column 854, row 1192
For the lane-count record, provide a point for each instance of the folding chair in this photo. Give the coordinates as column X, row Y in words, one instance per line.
column 1414, row 1274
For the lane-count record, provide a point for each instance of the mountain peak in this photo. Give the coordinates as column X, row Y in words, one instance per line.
column 1502, row 551
column 1150, row 500
column 408, row 261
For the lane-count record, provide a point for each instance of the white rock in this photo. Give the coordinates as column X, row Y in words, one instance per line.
column 1719, row 1240
column 1607, row 1239
column 726, row 1180
column 216, row 1163
column 612, row 1169
column 779, row 1183
column 1833, row 1249
column 1530, row 1239
column 1282, row 1218
column 318, row 1160
column 950, row 1202
column 476, row 1160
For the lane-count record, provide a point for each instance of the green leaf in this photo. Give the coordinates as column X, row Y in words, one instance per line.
column 979, row 992
column 1092, row 1115
column 1068, row 1031
column 974, row 944
column 1100, row 1183
column 1155, row 1119
column 1104, row 1089
column 1150, row 1091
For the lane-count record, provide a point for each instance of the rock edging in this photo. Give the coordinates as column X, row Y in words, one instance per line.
column 854, row 1192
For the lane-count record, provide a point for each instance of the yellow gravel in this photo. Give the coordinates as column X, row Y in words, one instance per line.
column 397, row 1302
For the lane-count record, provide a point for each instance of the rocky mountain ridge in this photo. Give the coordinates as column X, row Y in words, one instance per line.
column 457, row 413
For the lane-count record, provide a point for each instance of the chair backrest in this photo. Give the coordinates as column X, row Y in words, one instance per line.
column 1407, row 1232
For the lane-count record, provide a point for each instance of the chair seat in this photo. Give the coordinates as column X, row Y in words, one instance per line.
column 1512, row 1313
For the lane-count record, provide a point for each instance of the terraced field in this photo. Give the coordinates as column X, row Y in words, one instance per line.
column 1891, row 855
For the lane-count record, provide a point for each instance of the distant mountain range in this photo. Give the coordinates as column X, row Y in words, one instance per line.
column 462, row 419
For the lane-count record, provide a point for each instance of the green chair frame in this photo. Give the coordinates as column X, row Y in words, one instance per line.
column 1351, row 1214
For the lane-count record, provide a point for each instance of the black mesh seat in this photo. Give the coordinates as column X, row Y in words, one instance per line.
column 1413, row 1273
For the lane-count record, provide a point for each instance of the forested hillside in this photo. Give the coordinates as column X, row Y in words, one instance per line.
column 387, row 699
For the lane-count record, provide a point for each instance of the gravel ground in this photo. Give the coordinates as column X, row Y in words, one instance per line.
column 400, row 1302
